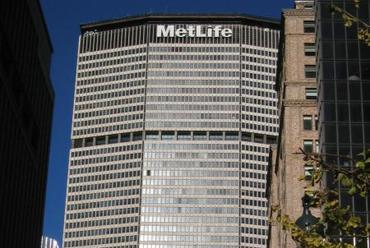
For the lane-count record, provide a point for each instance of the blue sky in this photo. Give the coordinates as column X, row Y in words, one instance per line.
column 63, row 18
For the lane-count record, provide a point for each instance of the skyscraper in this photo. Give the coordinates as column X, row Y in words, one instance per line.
column 297, row 91
column 343, row 94
column 173, row 117
column 47, row 242
column 26, row 104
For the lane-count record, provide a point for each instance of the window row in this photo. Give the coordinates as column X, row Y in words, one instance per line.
column 112, row 62
column 103, row 194
column 154, row 65
column 102, row 222
column 111, row 70
column 115, row 86
column 104, row 177
column 107, row 55
column 112, row 111
column 110, row 95
column 193, row 49
column 194, row 57
column 101, row 213
column 102, row 186
column 112, row 78
column 190, row 182
column 107, row 167
column 101, row 241
column 102, row 204
column 191, row 81
column 106, row 159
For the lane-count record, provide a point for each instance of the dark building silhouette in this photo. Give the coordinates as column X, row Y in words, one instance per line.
column 26, row 104
column 343, row 66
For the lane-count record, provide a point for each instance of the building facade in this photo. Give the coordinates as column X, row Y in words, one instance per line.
column 47, row 242
column 296, row 86
column 343, row 95
column 26, row 104
column 173, row 116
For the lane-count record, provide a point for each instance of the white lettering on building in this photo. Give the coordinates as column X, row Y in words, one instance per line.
column 193, row 31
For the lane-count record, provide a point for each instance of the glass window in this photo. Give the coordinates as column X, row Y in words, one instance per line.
column 100, row 140
column 316, row 122
column 309, row 49
column 89, row 141
column 308, row 169
column 215, row 136
column 77, row 143
column 152, row 135
column 184, row 135
column 310, row 71
column 309, row 26
column 200, row 136
column 112, row 139
column 232, row 136
column 311, row 93
column 258, row 138
column 307, row 122
column 168, row 135
column 125, row 137
column 248, row 136
column 317, row 147
column 308, row 146
column 137, row 136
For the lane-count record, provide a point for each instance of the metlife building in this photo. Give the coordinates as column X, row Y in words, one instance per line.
column 173, row 119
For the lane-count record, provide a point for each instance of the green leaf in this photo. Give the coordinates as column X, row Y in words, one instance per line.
column 361, row 165
column 352, row 190
column 346, row 182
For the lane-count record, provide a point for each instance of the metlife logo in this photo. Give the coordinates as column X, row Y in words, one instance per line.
column 193, row 31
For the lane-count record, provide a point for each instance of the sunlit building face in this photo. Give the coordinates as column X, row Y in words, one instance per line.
column 171, row 133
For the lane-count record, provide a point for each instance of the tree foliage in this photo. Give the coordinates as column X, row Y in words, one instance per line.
column 349, row 20
column 337, row 221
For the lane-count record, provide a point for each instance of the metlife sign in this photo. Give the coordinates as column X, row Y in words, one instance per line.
column 193, row 31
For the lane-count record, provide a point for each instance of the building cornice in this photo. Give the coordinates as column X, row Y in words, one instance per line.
column 181, row 18
column 299, row 12
column 299, row 103
column 302, row 83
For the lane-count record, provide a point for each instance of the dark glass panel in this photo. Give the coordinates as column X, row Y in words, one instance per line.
column 356, row 133
column 353, row 71
column 338, row 31
column 366, row 107
column 360, row 203
column 329, row 112
column 342, row 92
column 343, row 133
column 352, row 49
column 352, row 32
column 346, row 200
column 340, row 50
column 366, row 91
column 343, row 112
column 328, row 91
column 341, row 70
column 363, row 11
column 330, row 133
column 328, row 70
column 327, row 50
column 354, row 90
column 367, row 135
column 356, row 113
column 364, row 51
column 365, row 70
column 326, row 30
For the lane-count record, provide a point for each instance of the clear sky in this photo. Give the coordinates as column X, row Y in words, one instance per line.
column 63, row 18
